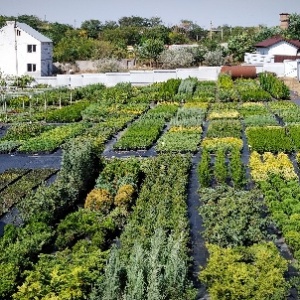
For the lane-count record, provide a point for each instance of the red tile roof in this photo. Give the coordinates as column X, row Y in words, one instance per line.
column 274, row 40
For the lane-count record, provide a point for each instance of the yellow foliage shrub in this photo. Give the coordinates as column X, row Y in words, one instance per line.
column 99, row 199
column 124, row 195
column 262, row 166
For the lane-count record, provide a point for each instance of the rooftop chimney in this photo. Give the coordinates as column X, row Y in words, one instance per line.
column 284, row 20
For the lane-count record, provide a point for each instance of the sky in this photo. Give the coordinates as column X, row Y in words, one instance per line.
column 218, row 12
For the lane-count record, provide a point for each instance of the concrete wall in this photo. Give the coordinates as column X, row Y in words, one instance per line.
column 277, row 68
column 134, row 77
column 287, row 69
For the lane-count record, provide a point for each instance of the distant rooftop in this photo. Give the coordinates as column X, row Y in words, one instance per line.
column 274, row 40
column 37, row 35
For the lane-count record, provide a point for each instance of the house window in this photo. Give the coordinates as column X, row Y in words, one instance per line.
column 31, row 67
column 31, row 48
column 18, row 32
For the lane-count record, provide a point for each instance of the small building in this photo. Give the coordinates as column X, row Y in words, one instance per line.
column 282, row 49
column 23, row 50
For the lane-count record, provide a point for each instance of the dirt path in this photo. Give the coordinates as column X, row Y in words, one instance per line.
column 294, row 86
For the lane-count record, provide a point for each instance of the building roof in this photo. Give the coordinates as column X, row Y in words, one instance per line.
column 37, row 35
column 274, row 40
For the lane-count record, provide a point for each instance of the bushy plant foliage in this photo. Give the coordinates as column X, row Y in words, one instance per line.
column 151, row 262
column 124, row 195
column 272, row 84
column 106, row 65
column 99, row 200
column 214, row 58
column 232, row 217
column 204, row 169
column 242, row 273
column 177, row 58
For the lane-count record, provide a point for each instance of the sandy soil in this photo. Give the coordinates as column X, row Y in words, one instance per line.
column 293, row 84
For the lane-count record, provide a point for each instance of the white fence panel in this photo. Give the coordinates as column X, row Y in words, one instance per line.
column 164, row 75
column 114, row 78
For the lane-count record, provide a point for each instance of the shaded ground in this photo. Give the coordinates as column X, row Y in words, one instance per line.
column 199, row 251
column 21, row 161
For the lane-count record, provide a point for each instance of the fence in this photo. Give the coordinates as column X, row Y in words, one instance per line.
column 148, row 77
column 134, row 77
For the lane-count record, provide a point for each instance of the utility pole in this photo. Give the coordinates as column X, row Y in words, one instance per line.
column 16, row 49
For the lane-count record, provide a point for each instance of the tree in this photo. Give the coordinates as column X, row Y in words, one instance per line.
column 266, row 33
column 3, row 19
column 293, row 30
column 124, row 36
column 239, row 45
column 160, row 32
column 74, row 47
column 177, row 38
column 32, row 21
column 109, row 25
column 103, row 49
column 155, row 21
column 151, row 50
column 56, row 31
column 134, row 21
column 192, row 30
column 92, row 27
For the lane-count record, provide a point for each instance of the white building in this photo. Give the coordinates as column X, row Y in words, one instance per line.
column 274, row 50
column 278, row 46
column 23, row 50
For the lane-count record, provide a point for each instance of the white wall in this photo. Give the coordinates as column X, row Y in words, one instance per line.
column 149, row 77
column 134, row 77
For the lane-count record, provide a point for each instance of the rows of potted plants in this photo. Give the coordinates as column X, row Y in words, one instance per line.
column 144, row 132
column 223, row 169
column 66, row 114
column 205, row 92
column 151, row 258
column 99, row 112
column 288, row 111
column 226, row 143
column 20, row 132
column 264, row 165
column 269, row 139
column 180, row 139
column 224, row 114
column 11, row 175
column 51, row 140
column 15, row 191
column 224, row 128
column 185, row 129
column 282, row 199
column 253, row 108
column 40, row 212
column 153, row 252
